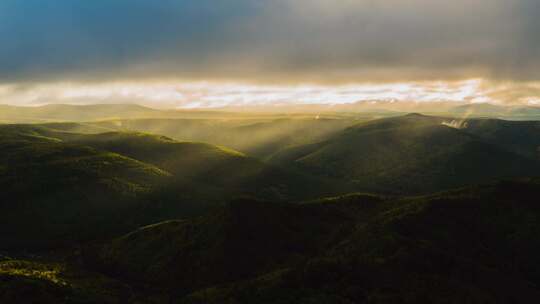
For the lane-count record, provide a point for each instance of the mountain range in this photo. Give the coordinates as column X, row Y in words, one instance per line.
column 342, row 209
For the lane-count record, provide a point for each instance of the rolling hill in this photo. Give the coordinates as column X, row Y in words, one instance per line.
column 69, row 187
column 229, row 172
column 255, row 137
column 243, row 239
column 143, row 218
column 521, row 137
column 255, row 134
column 413, row 154
column 58, row 192
column 24, row 281
column 473, row 245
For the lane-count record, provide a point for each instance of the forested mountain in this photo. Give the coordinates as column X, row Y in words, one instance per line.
column 90, row 213
column 420, row 154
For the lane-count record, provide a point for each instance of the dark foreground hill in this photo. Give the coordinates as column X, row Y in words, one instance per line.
column 420, row 154
column 243, row 239
column 475, row 245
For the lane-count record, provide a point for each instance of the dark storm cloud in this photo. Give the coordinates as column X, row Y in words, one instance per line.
column 287, row 40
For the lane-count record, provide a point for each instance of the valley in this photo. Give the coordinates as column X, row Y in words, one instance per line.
column 277, row 209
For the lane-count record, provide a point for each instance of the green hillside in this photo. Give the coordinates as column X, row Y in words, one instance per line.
column 73, row 192
column 411, row 154
column 256, row 137
column 63, row 187
column 23, row 281
column 521, row 137
column 472, row 245
column 58, row 192
column 232, row 172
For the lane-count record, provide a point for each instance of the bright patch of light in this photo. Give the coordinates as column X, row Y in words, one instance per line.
column 214, row 95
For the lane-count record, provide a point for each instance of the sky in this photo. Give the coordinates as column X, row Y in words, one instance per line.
column 205, row 53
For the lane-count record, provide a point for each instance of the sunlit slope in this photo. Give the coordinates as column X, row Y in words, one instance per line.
column 24, row 281
column 409, row 154
column 472, row 245
column 58, row 192
column 209, row 165
column 256, row 137
column 214, row 171
column 181, row 158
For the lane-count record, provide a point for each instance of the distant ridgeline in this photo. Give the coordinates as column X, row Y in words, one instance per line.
column 418, row 154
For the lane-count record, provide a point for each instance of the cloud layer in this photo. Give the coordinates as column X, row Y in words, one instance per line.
column 212, row 95
column 286, row 41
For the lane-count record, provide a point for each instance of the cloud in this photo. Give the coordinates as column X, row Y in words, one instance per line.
column 212, row 95
column 269, row 41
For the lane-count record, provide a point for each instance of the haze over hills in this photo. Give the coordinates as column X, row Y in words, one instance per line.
column 260, row 135
column 361, row 109
column 256, row 137
column 394, row 108
column 83, row 181
column 376, row 155
column 212, row 165
column 490, row 110
column 81, row 187
column 401, row 155
column 64, row 112
column 98, row 112
column 269, row 152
